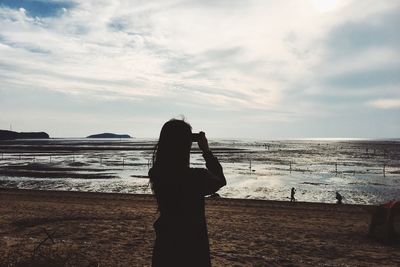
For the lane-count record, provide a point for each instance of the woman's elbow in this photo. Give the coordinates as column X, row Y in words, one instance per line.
column 223, row 183
column 219, row 185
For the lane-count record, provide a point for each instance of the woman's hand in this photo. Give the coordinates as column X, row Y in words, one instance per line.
column 203, row 142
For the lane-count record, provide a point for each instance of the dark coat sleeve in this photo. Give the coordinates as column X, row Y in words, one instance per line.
column 213, row 177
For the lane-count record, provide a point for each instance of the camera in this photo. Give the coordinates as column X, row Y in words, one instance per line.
column 195, row 137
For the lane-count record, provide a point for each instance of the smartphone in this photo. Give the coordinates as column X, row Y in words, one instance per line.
column 195, row 137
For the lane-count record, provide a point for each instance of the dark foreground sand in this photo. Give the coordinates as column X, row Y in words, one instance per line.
column 94, row 229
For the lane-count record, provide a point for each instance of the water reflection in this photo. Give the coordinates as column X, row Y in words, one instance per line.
column 365, row 172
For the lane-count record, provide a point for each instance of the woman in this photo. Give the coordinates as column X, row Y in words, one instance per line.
column 181, row 231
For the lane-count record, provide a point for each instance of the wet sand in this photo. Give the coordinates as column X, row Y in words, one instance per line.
column 363, row 171
column 103, row 229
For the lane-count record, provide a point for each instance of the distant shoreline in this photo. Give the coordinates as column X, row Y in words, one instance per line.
column 133, row 139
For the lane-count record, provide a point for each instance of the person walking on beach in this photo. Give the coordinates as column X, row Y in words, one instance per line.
column 339, row 198
column 292, row 193
column 181, row 230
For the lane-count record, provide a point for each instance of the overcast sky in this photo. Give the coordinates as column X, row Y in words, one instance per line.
column 257, row 69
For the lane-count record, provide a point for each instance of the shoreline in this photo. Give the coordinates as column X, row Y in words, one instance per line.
column 149, row 197
column 221, row 201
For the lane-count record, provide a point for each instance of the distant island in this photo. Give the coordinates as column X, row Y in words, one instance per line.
column 109, row 135
column 11, row 135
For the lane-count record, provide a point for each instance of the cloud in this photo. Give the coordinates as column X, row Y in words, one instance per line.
column 373, row 31
column 382, row 76
column 270, row 60
column 23, row 45
column 90, row 42
column 386, row 103
column 359, row 57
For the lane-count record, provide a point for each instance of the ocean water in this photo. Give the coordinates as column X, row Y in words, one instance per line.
column 363, row 171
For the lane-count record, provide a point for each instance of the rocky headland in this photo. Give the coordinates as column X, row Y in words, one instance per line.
column 11, row 135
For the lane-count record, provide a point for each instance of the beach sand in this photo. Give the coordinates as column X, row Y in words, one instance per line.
column 99, row 229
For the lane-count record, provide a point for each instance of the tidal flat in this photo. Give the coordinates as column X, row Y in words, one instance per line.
column 363, row 171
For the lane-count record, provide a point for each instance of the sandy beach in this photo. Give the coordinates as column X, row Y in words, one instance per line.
column 99, row 229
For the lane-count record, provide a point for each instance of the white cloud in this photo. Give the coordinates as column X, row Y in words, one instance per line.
column 223, row 55
column 386, row 103
column 81, row 44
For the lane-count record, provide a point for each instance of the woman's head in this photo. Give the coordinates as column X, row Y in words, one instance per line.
column 173, row 147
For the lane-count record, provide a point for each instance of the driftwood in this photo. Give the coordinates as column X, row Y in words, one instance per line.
column 48, row 237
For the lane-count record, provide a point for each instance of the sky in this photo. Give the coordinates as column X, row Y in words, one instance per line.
column 234, row 69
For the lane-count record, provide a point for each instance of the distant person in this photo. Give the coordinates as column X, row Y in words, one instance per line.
column 339, row 198
column 181, row 230
column 292, row 193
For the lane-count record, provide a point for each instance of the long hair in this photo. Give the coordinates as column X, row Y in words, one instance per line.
column 172, row 152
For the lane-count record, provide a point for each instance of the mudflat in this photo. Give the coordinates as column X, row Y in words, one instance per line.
column 107, row 229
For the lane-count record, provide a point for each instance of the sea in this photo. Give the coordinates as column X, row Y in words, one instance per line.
column 362, row 171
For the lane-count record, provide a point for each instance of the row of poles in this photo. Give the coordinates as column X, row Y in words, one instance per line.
column 149, row 163
column 336, row 168
column 73, row 159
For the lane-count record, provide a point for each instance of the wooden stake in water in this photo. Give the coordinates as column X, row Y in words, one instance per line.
column 290, row 166
column 384, row 170
column 336, row 168
column 250, row 165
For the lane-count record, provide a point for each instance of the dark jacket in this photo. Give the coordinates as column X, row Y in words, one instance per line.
column 181, row 230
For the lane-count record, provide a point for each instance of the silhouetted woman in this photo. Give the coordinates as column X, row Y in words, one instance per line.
column 181, row 230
